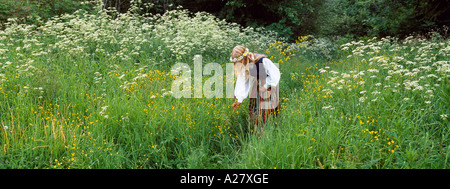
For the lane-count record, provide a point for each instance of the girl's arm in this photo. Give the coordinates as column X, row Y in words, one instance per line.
column 242, row 88
column 273, row 73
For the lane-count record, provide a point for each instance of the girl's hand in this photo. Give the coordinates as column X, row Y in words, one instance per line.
column 235, row 105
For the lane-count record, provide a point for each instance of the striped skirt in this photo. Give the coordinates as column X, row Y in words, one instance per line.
column 263, row 106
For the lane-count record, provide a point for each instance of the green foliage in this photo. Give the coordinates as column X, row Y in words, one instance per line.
column 382, row 18
column 292, row 18
column 35, row 12
column 289, row 18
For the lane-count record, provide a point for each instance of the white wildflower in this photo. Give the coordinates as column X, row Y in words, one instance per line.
column 432, row 75
column 362, row 99
column 420, row 88
column 375, row 92
column 327, row 91
column 328, row 107
column 361, row 83
column 345, row 75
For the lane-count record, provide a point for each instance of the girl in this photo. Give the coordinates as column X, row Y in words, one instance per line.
column 259, row 76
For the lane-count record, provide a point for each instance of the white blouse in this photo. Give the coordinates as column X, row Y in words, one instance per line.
column 243, row 85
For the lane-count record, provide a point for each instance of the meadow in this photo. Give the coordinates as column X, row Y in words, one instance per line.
column 92, row 91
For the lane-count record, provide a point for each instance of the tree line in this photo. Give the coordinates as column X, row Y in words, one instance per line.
column 290, row 18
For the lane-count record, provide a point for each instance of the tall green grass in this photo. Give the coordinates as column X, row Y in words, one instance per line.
column 93, row 91
column 361, row 111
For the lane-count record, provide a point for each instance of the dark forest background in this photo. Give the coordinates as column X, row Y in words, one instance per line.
column 290, row 18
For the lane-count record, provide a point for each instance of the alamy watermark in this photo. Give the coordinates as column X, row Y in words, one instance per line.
column 200, row 90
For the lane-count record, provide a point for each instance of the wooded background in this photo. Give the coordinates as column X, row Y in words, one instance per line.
column 290, row 18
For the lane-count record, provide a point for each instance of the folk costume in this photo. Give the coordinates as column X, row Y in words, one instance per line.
column 264, row 103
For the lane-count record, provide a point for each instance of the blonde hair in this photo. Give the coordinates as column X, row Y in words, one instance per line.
column 244, row 62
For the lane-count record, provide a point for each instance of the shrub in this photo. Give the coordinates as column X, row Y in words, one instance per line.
column 35, row 12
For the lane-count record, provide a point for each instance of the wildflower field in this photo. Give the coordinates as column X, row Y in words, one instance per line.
column 90, row 91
